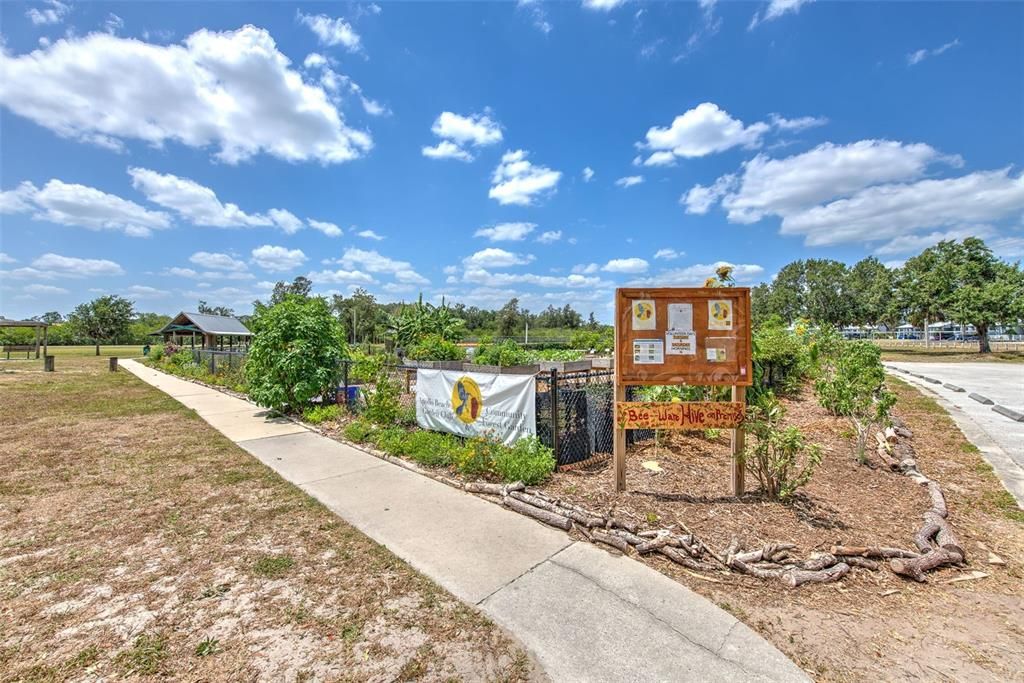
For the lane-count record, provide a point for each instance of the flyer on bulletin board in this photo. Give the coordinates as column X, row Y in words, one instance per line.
column 680, row 316
column 644, row 315
column 720, row 314
column 648, row 351
column 681, row 343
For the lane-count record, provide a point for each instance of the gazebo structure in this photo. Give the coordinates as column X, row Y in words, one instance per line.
column 212, row 332
column 38, row 325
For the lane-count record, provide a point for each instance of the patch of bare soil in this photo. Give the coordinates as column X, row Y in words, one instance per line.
column 961, row 625
column 135, row 541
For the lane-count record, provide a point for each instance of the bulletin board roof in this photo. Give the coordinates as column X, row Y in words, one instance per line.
column 720, row 357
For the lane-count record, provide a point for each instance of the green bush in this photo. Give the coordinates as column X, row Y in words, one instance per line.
column 432, row 449
column 852, row 385
column 537, row 355
column 779, row 457
column 505, row 354
column 391, row 440
column 476, row 459
column 297, row 348
column 598, row 340
column 358, row 431
column 322, row 413
column 156, row 354
column 407, row 416
column 781, row 356
column 436, row 347
column 382, row 405
column 528, row 461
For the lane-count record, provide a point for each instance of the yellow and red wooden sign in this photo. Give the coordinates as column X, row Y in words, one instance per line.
column 688, row 415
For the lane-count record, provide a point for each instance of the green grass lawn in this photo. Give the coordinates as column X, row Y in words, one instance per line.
column 119, row 350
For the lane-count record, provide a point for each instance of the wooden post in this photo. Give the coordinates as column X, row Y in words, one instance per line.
column 37, row 342
column 737, row 440
column 619, row 450
column 113, row 364
column 47, row 363
column 45, row 331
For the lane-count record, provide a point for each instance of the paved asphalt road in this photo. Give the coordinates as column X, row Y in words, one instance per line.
column 1000, row 439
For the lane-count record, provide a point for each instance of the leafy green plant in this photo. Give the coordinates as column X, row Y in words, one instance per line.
column 504, row 354
column 382, row 404
column 782, row 356
column 528, row 461
column 157, row 354
column 391, row 440
column 322, row 413
column 407, row 416
column 207, row 646
column 432, row 449
column 295, row 354
column 436, row 347
column 852, row 385
column 420, row 320
column 476, row 459
column 599, row 340
column 779, row 456
column 358, row 431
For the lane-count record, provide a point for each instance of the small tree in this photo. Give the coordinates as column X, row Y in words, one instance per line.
column 296, row 350
column 103, row 320
column 779, row 457
column 852, row 385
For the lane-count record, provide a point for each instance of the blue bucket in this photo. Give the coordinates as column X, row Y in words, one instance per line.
column 351, row 394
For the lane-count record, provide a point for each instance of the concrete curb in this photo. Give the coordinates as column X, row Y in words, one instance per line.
column 930, row 379
column 984, row 400
column 953, row 387
column 1012, row 414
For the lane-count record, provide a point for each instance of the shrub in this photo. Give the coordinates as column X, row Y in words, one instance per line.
column 358, row 431
column 852, row 385
column 779, row 457
column 321, row 413
column 597, row 340
column 476, row 459
column 391, row 440
column 382, row 405
column 296, row 351
column 432, row 449
column 528, row 461
column 436, row 347
column 407, row 416
column 504, row 354
column 781, row 356
column 156, row 354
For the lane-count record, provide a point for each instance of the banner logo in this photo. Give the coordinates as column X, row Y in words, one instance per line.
column 467, row 401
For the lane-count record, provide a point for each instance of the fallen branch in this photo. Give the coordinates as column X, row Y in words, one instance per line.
column 493, row 489
column 871, row 551
column 938, row 500
column 916, row 568
column 614, row 541
column 551, row 518
column 797, row 577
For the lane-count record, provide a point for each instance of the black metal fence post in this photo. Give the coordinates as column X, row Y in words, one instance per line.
column 344, row 378
column 553, row 384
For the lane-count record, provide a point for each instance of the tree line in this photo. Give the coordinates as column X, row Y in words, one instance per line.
column 958, row 282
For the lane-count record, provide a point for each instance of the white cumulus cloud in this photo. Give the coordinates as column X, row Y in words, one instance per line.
column 626, row 265
column 332, row 31
column 277, row 259
column 231, row 90
column 629, row 181
column 457, row 132
column 518, row 181
column 496, row 258
column 329, row 229
column 506, row 232
column 217, row 261
column 83, row 206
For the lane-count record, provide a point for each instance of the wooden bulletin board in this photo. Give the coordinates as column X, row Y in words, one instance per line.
column 709, row 345
column 698, row 336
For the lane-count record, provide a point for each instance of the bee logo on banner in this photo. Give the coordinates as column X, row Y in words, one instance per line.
column 501, row 407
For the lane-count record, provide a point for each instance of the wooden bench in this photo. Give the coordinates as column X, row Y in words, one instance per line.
column 27, row 348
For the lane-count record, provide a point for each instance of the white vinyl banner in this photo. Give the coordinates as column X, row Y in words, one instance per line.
column 500, row 407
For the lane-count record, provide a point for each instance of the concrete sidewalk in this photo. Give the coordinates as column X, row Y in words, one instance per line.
column 1000, row 439
column 585, row 614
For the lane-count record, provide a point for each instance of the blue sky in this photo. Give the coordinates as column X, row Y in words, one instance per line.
column 550, row 151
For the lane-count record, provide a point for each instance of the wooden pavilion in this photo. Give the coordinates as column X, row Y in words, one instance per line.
column 212, row 332
column 38, row 325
